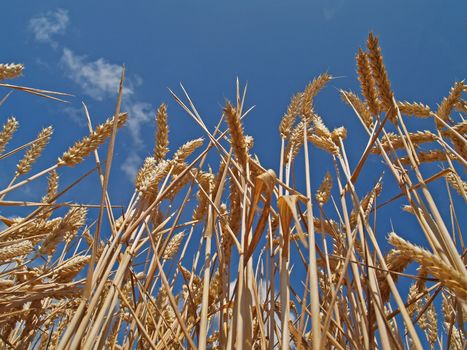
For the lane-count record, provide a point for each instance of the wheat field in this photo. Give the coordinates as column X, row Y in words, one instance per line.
column 204, row 254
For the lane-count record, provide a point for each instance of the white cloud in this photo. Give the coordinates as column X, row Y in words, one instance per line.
column 131, row 165
column 76, row 115
column 46, row 26
column 138, row 113
column 97, row 79
column 100, row 79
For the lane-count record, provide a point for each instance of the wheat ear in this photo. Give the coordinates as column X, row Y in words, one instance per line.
column 187, row 149
column 287, row 121
column 446, row 274
column 367, row 83
column 359, row 106
column 236, row 131
column 162, row 134
column 380, row 75
column 7, row 132
column 448, row 103
column 324, row 190
column 415, row 109
column 81, row 149
column 10, row 70
column 34, row 151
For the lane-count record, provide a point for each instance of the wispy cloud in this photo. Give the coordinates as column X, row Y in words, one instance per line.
column 76, row 115
column 131, row 165
column 46, row 26
column 140, row 113
column 98, row 79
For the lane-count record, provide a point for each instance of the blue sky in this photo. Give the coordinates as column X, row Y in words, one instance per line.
column 275, row 46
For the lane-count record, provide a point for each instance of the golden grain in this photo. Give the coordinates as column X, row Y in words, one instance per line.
column 206, row 184
column 34, row 151
column 237, row 134
column 162, row 134
column 367, row 83
column 65, row 230
column 81, row 149
column 416, row 109
column 71, row 268
column 295, row 141
column 448, row 103
column 428, row 157
column 287, row 121
column 52, row 188
column 458, row 184
column 380, row 75
column 324, row 143
column 10, row 70
column 446, row 275
column 152, row 172
column 310, row 93
column 173, row 246
column 7, row 132
column 15, row 250
column 324, row 190
column 393, row 141
column 187, row 149
column 396, row 262
column 461, row 128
